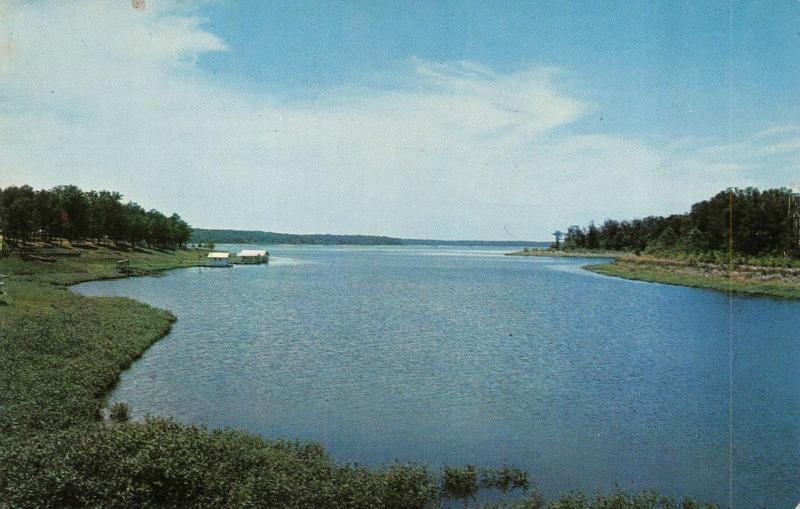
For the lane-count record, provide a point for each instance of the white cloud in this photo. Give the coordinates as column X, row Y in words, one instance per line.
column 101, row 95
column 778, row 130
column 769, row 158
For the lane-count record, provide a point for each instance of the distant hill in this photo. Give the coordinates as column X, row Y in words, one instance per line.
column 259, row 237
column 500, row 243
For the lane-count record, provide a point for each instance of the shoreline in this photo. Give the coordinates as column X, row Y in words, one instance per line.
column 63, row 353
column 744, row 280
column 547, row 253
column 171, row 317
column 81, row 344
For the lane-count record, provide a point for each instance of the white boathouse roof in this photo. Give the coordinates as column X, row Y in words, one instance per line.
column 219, row 255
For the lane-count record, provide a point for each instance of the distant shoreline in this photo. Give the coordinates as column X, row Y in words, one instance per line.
column 217, row 236
column 753, row 280
column 549, row 253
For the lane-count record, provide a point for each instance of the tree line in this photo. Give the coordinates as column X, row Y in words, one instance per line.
column 68, row 212
column 755, row 223
column 201, row 235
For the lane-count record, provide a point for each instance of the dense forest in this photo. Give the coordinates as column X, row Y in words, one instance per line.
column 68, row 212
column 756, row 223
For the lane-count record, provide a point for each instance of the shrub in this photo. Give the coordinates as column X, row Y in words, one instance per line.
column 505, row 479
column 460, row 483
column 160, row 463
column 120, row 412
column 409, row 487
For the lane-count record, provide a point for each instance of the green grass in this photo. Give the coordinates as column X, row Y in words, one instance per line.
column 595, row 253
column 684, row 276
column 762, row 277
column 98, row 264
column 61, row 352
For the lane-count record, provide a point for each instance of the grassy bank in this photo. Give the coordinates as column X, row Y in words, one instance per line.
column 552, row 253
column 752, row 277
column 743, row 280
column 60, row 353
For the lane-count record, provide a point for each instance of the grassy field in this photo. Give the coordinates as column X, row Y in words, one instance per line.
column 94, row 264
column 61, row 352
column 750, row 278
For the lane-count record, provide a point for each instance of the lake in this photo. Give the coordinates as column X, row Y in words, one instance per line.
column 462, row 355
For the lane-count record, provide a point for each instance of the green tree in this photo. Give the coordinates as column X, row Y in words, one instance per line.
column 18, row 212
column 135, row 223
column 666, row 242
column 575, row 238
column 558, row 234
column 180, row 231
column 592, row 236
column 75, row 212
column 45, row 214
column 158, row 229
column 105, row 214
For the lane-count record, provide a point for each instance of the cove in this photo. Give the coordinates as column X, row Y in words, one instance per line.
column 462, row 355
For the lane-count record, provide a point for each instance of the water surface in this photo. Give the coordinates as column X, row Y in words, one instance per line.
column 461, row 355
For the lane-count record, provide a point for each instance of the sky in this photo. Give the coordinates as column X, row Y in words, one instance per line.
column 449, row 120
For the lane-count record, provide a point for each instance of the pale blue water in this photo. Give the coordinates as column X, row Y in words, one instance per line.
column 461, row 355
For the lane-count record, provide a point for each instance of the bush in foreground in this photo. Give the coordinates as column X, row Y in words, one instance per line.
column 161, row 463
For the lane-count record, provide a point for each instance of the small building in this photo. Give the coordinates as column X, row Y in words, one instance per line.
column 253, row 256
column 124, row 266
column 217, row 259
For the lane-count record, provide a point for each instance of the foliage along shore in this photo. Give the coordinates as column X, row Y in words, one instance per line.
column 68, row 212
column 745, row 241
column 750, row 276
column 205, row 236
column 747, row 222
column 60, row 353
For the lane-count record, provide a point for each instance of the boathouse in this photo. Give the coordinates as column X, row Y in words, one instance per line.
column 217, row 259
column 253, row 256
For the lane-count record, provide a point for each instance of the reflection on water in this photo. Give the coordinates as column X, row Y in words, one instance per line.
column 281, row 260
column 465, row 356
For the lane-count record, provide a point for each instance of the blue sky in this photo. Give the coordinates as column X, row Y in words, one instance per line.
column 657, row 67
column 491, row 120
